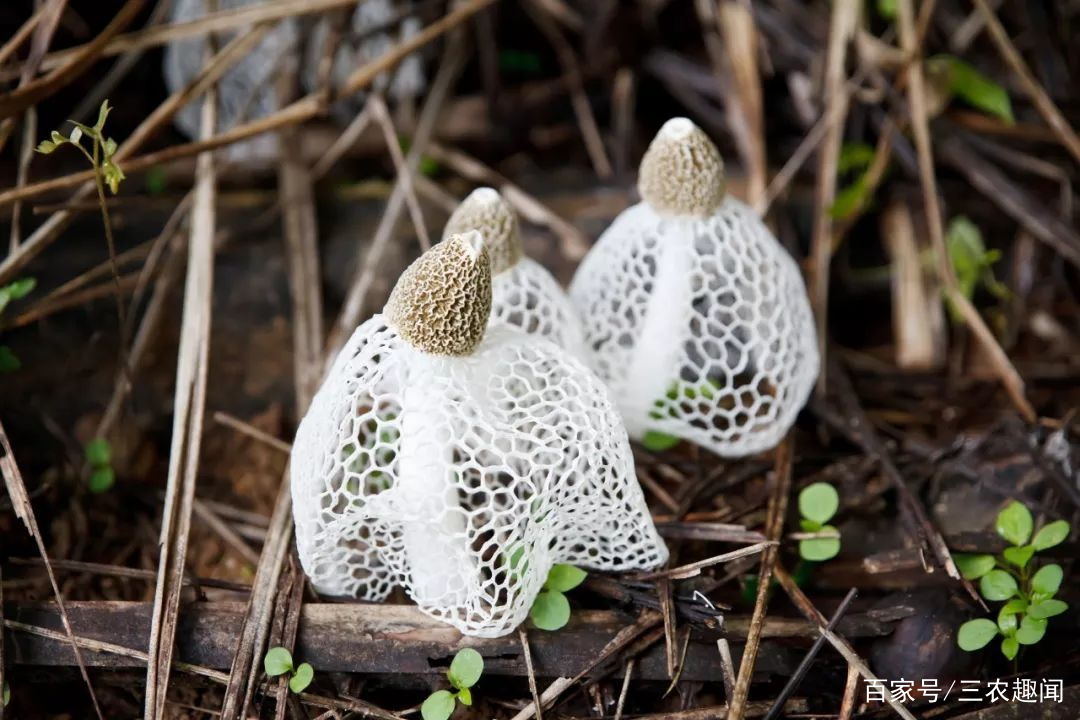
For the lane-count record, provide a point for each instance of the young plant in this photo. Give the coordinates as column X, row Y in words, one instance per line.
column 1009, row 578
column 972, row 262
column 17, row 290
column 279, row 661
column 99, row 459
column 551, row 609
column 817, row 505
column 465, row 670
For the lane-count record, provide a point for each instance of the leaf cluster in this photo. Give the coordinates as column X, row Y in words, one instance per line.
column 102, row 150
column 279, row 661
column 1009, row 578
column 98, row 454
column 465, row 671
column 818, row 503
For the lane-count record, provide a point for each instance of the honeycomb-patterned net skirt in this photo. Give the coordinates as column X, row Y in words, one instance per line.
column 463, row 479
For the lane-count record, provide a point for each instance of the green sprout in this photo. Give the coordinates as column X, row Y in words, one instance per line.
column 964, row 82
column 817, row 505
column 9, row 361
column 465, row 670
column 551, row 609
column 1028, row 596
column 99, row 459
column 684, row 393
column 971, row 261
column 279, row 661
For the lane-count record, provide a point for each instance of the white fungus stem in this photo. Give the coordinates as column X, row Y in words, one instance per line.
column 651, row 370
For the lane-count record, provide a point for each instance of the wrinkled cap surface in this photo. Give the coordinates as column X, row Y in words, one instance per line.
column 486, row 211
column 442, row 302
column 682, row 172
column 463, row 479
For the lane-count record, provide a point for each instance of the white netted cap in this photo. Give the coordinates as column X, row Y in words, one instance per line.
column 524, row 294
column 247, row 91
column 700, row 324
column 461, row 477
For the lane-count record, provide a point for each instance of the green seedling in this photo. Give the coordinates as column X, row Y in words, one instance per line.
column 972, row 262
column 1011, row 578
column 817, row 505
column 551, row 609
column 465, row 671
column 963, row 82
column 279, row 661
column 99, row 460
column 9, row 361
column 683, row 393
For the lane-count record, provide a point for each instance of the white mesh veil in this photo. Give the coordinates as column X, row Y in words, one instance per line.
column 698, row 321
column 245, row 92
column 433, row 471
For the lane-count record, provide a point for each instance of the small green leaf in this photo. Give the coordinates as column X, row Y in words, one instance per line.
column 98, row 452
column 819, row 502
column 1053, row 534
column 975, row 634
column 1031, row 630
column 301, row 678
column 1007, row 623
column 974, row 88
column 850, row 200
column 1016, row 605
column 1048, row 579
column 465, row 696
column 109, row 148
column 854, row 156
column 466, row 668
column 101, row 480
column 278, row 661
column 45, row 147
column 887, row 9
column 1018, row 556
column 810, row 525
column 438, row 706
column 1009, row 647
column 550, row 610
column 564, row 577
column 7, row 694
column 21, row 288
column 1014, row 523
column 654, row 441
column 57, row 138
column 820, row 549
column 973, row 567
column 1047, row 609
column 9, row 361
column 103, row 114
column 997, row 585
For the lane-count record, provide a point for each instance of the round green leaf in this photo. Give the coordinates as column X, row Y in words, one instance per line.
column 466, row 668
column 973, row 567
column 438, row 706
column 1007, row 623
column 1018, row 556
column 818, row 549
column 655, row 441
column 1014, row 523
column 1014, row 606
column 564, row 577
column 1053, row 534
column 1009, row 647
column 550, row 611
column 997, row 585
column 1048, row 579
column 1031, row 630
column 975, row 634
column 278, row 661
column 819, row 502
column 465, row 696
column 101, row 480
column 98, row 452
column 301, row 678
column 1047, row 609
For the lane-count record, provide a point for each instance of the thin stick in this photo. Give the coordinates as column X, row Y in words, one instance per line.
column 741, row 40
column 844, row 21
column 627, row 674
column 774, row 526
column 26, row 154
column 851, row 686
column 20, row 502
column 390, row 136
column 694, row 569
column 727, row 667
column 1043, row 103
column 808, row 660
column 16, row 40
column 553, row 691
column 189, row 406
column 342, row 144
column 916, row 87
column 251, row 431
column 529, row 669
